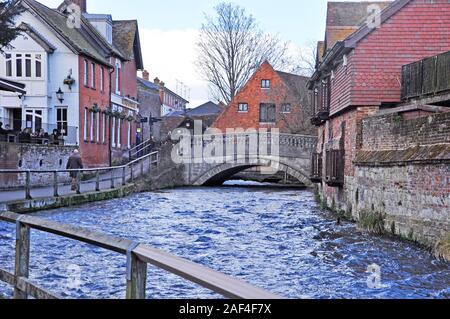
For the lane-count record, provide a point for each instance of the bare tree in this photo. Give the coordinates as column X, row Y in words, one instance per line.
column 305, row 60
column 9, row 9
column 231, row 47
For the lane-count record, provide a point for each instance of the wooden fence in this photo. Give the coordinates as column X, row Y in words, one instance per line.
column 426, row 77
column 138, row 257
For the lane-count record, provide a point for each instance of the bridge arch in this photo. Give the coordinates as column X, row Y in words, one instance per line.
column 218, row 174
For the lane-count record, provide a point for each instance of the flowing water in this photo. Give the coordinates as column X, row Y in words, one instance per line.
column 279, row 240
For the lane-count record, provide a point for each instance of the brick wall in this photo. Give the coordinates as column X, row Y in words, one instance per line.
column 94, row 154
column 254, row 95
column 32, row 157
column 395, row 132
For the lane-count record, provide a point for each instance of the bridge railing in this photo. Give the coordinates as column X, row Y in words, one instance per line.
column 289, row 145
column 96, row 177
column 138, row 256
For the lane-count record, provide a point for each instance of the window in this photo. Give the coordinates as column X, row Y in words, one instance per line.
column 93, row 75
column 267, row 113
column 86, row 75
column 265, row 84
column 129, row 135
column 118, row 77
column 102, row 79
column 85, row 124
column 243, row 107
column 119, row 135
column 91, row 126
column 61, row 120
column 286, row 108
column 97, row 125
column 104, row 128
column 19, row 65
column 28, row 65
column 113, row 130
column 8, row 64
column 33, row 119
column 38, row 65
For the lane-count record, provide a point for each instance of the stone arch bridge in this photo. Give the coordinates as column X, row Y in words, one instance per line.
column 214, row 161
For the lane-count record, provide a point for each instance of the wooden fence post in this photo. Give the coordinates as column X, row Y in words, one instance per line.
column 22, row 264
column 97, row 181
column 131, row 173
column 124, row 176
column 55, row 184
column 136, row 275
column 27, row 185
column 112, row 179
column 78, row 183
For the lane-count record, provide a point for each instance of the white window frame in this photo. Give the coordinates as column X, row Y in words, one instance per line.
column 113, row 137
column 97, row 125
column 85, row 124
column 129, row 134
column 102, row 79
column 86, row 75
column 61, row 123
column 92, row 75
column 118, row 77
column 91, row 126
column 103, row 127
column 119, row 135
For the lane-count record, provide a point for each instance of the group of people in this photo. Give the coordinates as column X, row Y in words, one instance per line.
column 27, row 135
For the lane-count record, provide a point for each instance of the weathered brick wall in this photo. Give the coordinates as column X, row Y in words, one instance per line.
column 395, row 132
column 32, row 157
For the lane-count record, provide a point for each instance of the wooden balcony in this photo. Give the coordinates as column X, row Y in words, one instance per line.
column 316, row 168
column 334, row 168
column 426, row 78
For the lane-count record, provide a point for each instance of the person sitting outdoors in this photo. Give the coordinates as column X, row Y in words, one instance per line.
column 25, row 136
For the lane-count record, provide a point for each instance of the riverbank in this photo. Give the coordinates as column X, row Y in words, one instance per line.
column 375, row 223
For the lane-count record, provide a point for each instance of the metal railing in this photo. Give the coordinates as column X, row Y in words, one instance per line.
column 138, row 256
column 335, row 165
column 142, row 149
column 317, row 167
column 125, row 173
column 426, row 77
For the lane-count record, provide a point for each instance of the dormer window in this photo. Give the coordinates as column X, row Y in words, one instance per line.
column 265, row 84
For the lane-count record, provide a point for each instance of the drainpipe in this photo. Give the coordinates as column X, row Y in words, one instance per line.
column 111, row 71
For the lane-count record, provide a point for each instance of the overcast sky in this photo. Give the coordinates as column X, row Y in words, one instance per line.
column 169, row 29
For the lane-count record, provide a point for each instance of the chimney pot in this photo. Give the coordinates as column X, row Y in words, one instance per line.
column 145, row 75
column 82, row 4
column 156, row 81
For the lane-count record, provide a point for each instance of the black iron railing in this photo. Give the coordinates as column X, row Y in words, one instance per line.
column 426, row 77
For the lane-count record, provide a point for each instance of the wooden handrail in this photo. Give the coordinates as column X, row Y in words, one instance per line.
column 138, row 256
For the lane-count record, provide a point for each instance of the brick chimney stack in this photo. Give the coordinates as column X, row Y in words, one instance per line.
column 146, row 75
column 81, row 3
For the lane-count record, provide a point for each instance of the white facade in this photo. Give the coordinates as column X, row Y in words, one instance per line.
column 40, row 104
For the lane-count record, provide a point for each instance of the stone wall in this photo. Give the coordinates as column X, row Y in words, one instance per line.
column 32, row 157
column 402, row 175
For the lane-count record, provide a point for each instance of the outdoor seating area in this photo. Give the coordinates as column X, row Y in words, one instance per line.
column 27, row 136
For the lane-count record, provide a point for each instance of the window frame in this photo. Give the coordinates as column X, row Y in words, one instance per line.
column 243, row 110
column 265, row 84
column 267, row 120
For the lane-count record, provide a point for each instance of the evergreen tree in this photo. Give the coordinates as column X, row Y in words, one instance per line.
column 9, row 9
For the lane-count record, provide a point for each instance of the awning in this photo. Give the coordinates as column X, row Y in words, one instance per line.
column 11, row 86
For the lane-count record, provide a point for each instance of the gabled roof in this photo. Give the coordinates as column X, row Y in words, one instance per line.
column 11, row 86
column 350, row 42
column 148, row 84
column 36, row 36
column 344, row 18
column 209, row 108
column 79, row 40
column 126, row 38
column 296, row 83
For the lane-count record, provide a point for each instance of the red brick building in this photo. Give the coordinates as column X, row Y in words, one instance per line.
column 359, row 73
column 270, row 99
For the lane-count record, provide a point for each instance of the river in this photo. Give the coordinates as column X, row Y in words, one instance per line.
column 279, row 240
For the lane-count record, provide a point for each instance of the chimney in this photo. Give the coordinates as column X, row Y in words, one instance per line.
column 145, row 75
column 156, row 81
column 163, row 84
column 81, row 3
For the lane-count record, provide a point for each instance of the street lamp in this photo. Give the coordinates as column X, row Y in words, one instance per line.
column 60, row 95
